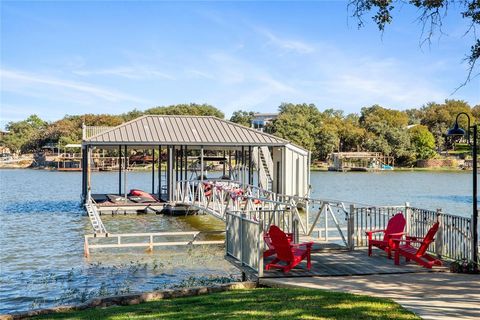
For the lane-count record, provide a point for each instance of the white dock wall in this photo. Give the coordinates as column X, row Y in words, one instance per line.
column 291, row 170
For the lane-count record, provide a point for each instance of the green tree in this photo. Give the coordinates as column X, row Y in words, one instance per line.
column 372, row 116
column 298, row 123
column 243, row 117
column 422, row 141
column 440, row 117
column 187, row 109
column 24, row 135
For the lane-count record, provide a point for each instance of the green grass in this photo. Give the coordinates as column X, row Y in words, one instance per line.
column 265, row 303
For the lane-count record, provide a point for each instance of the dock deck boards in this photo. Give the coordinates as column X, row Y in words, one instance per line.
column 348, row 263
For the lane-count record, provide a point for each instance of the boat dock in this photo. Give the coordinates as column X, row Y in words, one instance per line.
column 264, row 181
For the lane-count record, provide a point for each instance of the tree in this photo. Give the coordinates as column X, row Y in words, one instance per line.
column 23, row 135
column 187, row 109
column 376, row 115
column 440, row 117
column 431, row 15
column 422, row 141
column 243, row 117
column 298, row 123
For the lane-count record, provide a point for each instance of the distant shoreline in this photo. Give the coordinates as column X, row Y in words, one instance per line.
column 313, row 169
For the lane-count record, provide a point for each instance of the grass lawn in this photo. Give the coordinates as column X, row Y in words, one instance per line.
column 264, row 303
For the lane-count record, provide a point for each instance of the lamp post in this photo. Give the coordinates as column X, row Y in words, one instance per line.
column 457, row 131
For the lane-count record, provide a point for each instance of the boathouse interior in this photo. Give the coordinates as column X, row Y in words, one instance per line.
column 180, row 148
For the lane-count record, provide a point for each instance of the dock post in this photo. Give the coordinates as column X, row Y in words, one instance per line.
column 351, row 228
column 153, row 171
column 119, row 170
column 439, row 237
column 84, row 173
column 260, row 248
column 407, row 217
column 86, row 249
column 170, row 174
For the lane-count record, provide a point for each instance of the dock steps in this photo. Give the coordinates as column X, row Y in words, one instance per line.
column 94, row 217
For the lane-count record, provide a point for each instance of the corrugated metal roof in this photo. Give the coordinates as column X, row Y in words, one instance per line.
column 183, row 130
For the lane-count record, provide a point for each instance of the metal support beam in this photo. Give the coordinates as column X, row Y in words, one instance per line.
column 159, row 172
column 119, row 170
column 153, row 171
column 201, row 164
column 125, row 159
column 84, row 173
column 170, row 159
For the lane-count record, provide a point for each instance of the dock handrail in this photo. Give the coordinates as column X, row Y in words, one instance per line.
column 115, row 240
column 219, row 196
column 95, row 220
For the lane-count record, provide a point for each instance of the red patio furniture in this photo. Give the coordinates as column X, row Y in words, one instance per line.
column 419, row 255
column 394, row 230
column 271, row 248
column 290, row 254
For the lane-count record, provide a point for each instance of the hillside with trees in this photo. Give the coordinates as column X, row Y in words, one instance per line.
column 408, row 136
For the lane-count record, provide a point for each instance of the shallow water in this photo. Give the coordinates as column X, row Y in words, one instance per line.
column 41, row 239
column 42, row 227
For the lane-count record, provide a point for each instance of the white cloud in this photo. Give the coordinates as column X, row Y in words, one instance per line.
column 22, row 82
column 129, row 72
column 297, row 46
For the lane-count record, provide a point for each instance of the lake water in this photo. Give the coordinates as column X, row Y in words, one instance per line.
column 42, row 227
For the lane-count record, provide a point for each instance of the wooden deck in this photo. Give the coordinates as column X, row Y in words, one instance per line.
column 348, row 263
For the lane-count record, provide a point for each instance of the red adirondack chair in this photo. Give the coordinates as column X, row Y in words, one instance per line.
column 271, row 248
column 291, row 254
column 419, row 255
column 394, row 230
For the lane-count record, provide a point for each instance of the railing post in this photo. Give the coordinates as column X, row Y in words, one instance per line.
column 351, row 228
column 407, row 217
column 242, row 238
column 439, row 238
column 260, row 248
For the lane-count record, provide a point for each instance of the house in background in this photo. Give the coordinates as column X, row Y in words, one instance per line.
column 261, row 121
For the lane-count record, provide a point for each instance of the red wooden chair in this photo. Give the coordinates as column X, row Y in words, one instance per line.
column 419, row 255
column 394, row 230
column 291, row 254
column 271, row 248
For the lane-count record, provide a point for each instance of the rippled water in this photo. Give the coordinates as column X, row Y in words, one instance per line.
column 41, row 241
column 42, row 227
column 449, row 191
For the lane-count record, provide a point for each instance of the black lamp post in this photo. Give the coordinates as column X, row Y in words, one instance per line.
column 457, row 131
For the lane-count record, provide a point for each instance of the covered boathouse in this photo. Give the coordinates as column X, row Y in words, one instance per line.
column 180, row 146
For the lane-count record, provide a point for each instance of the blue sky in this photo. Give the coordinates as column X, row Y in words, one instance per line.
column 62, row 58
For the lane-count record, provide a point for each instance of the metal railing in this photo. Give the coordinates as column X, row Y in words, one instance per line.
column 244, row 242
column 453, row 239
column 147, row 240
column 216, row 197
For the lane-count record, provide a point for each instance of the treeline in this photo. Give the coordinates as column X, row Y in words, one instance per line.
column 406, row 135
column 33, row 133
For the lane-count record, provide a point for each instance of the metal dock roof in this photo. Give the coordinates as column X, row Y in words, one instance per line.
column 182, row 130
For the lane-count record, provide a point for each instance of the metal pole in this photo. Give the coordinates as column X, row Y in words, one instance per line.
column 181, row 162
column 224, row 164
column 475, row 206
column 119, row 170
column 201, row 163
column 153, row 171
column 250, row 176
column 125, row 173
column 159, row 172
column 186, row 164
